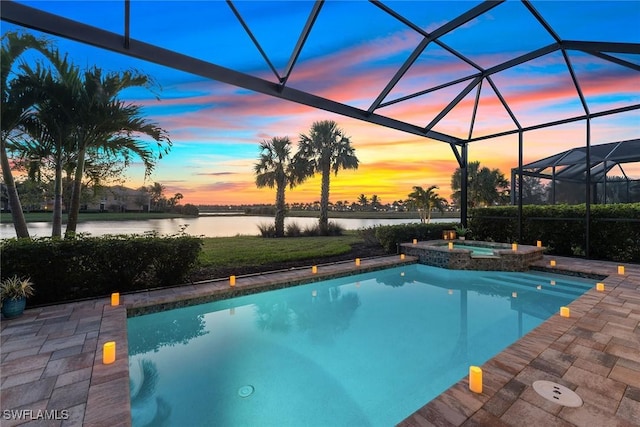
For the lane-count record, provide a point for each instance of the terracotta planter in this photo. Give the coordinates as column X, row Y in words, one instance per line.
column 13, row 307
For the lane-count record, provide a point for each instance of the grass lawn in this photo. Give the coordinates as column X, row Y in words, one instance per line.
column 250, row 251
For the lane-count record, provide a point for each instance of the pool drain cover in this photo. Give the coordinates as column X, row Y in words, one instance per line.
column 245, row 391
column 557, row 393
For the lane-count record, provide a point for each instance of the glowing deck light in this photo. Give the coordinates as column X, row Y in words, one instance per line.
column 109, row 352
column 475, row 379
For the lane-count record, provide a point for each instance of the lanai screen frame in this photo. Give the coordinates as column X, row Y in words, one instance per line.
column 46, row 22
column 605, row 157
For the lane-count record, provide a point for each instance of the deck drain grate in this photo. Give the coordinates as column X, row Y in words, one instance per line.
column 245, row 391
column 557, row 393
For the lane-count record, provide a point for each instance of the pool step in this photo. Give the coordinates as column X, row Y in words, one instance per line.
column 535, row 280
column 547, row 289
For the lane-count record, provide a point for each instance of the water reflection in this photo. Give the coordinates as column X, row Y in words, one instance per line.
column 322, row 314
column 394, row 281
column 207, row 226
column 147, row 411
column 165, row 331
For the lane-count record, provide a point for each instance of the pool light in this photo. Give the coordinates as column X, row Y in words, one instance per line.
column 621, row 269
column 415, row 241
column 314, row 269
column 539, row 243
column 552, row 263
column 357, row 262
column 565, row 312
column 115, row 298
column 109, row 352
column 450, row 245
column 475, row 379
column 600, row 286
column 232, row 281
column 402, row 256
column 514, row 247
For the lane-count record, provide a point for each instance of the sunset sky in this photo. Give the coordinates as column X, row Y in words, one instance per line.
column 350, row 55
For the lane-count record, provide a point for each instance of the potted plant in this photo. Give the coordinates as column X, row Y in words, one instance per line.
column 14, row 292
column 462, row 232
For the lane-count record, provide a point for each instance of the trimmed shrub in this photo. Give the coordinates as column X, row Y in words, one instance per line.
column 87, row 267
column 390, row 236
column 615, row 229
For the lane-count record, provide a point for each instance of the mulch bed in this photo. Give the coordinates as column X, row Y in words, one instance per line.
column 358, row 250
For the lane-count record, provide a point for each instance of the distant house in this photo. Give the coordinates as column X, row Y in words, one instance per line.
column 119, row 199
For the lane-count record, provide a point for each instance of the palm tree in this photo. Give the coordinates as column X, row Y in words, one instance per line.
column 324, row 150
column 363, row 201
column 425, row 201
column 275, row 169
column 14, row 107
column 108, row 125
column 53, row 124
column 156, row 194
column 375, row 202
column 485, row 186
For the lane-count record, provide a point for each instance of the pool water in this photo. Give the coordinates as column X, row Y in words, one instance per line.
column 476, row 250
column 365, row 350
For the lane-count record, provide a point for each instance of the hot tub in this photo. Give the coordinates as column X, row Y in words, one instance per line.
column 473, row 255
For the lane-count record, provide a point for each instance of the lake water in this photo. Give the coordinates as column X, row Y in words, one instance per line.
column 207, row 226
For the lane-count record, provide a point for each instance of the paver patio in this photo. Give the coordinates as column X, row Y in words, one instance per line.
column 51, row 357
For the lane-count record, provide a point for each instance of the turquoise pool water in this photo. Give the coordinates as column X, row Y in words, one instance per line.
column 475, row 250
column 365, row 350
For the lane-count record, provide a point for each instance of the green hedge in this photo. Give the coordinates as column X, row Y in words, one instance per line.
column 615, row 229
column 88, row 267
column 389, row 236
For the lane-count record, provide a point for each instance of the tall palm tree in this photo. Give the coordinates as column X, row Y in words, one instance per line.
column 425, row 201
column 108, row 125
column 275, row 169
column 53, row 124
column 326, row 149
column 14, row 107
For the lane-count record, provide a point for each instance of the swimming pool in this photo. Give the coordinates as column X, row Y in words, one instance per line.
column 362, row 350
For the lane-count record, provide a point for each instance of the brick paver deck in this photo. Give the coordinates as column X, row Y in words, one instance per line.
column 51, row 357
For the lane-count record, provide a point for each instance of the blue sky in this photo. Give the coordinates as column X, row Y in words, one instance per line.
column 351, row 53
